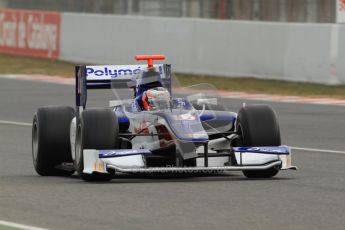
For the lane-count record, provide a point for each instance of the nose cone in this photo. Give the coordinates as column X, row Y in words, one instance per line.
column 187, row 130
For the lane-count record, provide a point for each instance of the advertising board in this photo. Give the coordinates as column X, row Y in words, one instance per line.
column 30, row 33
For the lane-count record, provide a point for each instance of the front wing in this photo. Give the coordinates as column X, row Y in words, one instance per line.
column 133, row 161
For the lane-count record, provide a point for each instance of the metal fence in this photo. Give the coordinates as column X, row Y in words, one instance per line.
column 264, row 10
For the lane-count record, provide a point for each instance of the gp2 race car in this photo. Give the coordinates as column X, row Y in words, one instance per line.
column 154, row 131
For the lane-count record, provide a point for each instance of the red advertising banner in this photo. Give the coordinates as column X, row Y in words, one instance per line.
column 30, row 33
column 342, row 5
column 340, row 11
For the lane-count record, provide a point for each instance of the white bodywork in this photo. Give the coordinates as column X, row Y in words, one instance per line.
column 136, row 163
column 92, row 162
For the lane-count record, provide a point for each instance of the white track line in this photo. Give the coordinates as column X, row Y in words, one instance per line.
column 19, row 226
column 15, row 123
column 317, row 150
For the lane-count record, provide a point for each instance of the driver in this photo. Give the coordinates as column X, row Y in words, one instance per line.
column 156, row 98
column 150, row 93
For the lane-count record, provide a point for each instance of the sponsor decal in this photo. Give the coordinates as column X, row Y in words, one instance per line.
column 113, row 71
column 30, row 33
column 122, row 152
column 109, row 71
column 272, row 150
column 184, row 117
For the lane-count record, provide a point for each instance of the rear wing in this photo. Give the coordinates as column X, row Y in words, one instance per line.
column 111, row 76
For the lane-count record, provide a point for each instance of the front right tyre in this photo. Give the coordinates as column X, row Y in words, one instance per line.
column 257, row 125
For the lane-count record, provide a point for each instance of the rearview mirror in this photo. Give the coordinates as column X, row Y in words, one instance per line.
column 207, row 101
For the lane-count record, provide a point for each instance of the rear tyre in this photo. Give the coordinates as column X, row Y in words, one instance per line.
column 257, row 125
column 97, row 129
column 50, row 140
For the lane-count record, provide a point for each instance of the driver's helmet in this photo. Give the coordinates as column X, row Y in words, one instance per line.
column 156, row 99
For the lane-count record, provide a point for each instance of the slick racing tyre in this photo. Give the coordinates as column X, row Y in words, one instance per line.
column 50, row 140
column 257, row 125
column 97, row 129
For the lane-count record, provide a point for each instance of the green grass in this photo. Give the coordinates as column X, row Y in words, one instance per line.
column 252, row 85
column 25, row 65
column 3, row 227
column 10, row 64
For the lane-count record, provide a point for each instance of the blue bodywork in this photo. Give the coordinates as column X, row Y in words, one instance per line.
column 182, row 128
column 275, row 150
column 123, row 153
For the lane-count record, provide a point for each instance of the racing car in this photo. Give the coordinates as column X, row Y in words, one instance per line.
column 154, row 130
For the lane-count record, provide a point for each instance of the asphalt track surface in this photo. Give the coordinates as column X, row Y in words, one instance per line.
column 311, row 198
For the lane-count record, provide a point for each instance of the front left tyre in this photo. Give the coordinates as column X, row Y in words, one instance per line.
column 51, row 140
column 96, row 129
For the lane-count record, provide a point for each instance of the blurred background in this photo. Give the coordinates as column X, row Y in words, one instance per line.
column 289, row 40
column 262, row 10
